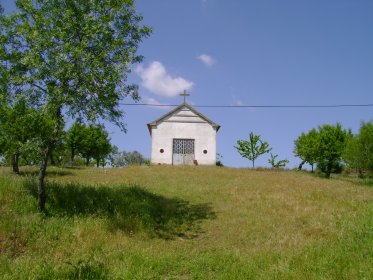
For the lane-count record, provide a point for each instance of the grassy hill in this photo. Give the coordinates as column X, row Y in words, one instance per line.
column 165, row 222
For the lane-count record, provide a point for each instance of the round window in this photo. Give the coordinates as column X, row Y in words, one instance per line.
column 205, row 151
column 161, row 151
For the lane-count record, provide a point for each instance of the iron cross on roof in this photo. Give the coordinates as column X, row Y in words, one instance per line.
column 184, row 94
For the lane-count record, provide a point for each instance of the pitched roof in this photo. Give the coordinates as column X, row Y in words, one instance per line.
column 172, row 112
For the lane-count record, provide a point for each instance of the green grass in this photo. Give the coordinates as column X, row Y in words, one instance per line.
column 164, row 222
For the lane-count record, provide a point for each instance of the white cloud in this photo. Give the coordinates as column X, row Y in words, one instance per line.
column 206, row 59
column 238, row 102
column 156, row 79
column 153, row 101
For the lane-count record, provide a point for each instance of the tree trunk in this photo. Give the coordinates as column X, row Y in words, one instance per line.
column 44, row 161
column 72, row 156
column 53, row 162
column 360, row 173
column 329, row 169
column 98, row 162
column 15, row 161
column 41, row 177
column 87, row 161
column 301, row 165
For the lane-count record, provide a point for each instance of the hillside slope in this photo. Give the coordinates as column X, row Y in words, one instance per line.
column 164, row 222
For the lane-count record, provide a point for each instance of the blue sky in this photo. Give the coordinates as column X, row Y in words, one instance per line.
column 247, row 52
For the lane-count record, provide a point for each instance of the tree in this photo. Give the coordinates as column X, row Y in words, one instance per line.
column 121, row 159
column 103, row 146
column 253, row 148
column 13, row 133
column 359, row 149
column 331, row 144
column 59, row 153
column 95, row 144
column 88, row 141
column 277, row 164
column 20, row 125
column 306, row 148
column 323, row 146
column 71, row 58
column 74, row 139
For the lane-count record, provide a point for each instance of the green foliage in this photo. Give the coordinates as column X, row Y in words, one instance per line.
column 358, row 153
column 70, row 58
column 95, row 144
column 351, row 154
column 306, row 147
column 277, row 164
column 74, row 54
column 121, row 159
column 331, row 144
column 253, row 148
column 23, row 132
column 74, row 139
column 323, row 146
column 337, row 166
column 59, row 154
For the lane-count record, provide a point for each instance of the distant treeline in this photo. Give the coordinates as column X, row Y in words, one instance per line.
column 334, row 149
column 330, row 147
column 81, row 144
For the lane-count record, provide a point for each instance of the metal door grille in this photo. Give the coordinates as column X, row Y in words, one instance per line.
column 183, row 151
column 183, row 146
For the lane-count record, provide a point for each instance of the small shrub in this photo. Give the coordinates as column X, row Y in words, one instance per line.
column 337, row 167
column 219, row 160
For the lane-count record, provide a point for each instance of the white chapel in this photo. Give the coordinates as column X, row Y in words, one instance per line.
column 183, row 136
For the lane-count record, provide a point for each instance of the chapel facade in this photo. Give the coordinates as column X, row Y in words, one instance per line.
column 183, row 136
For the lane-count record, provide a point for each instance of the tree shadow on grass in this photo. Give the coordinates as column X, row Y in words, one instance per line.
column 131, row 209
column 50, row 173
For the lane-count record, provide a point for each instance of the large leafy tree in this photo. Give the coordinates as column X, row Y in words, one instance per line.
column 95, row 144
column 331, row 144
column 71, row 58
column 74, row 139
column 253, row 148
column 306, row 147
column 359, row 149
column 323, row 146
column 21, row 129
column 3, row 86
column 15, row 122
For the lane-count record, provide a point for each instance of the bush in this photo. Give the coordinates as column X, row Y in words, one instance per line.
column 337, row 167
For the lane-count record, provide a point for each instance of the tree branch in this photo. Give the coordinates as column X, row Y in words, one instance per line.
column 39, row 87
